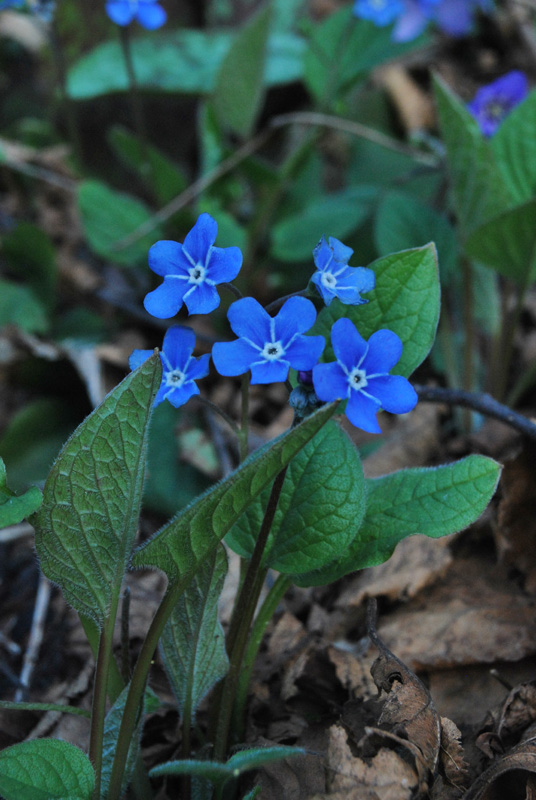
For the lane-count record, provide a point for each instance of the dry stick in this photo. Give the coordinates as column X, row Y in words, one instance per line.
column 36, row 637
column 478, row 401
column 298, row 118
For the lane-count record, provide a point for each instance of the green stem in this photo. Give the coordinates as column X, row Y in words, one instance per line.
column 136, row 104
column 67, row 106
column 244, row 610
column 262, row 619
column 509, row 330
column 469, row 325
column 244, row 427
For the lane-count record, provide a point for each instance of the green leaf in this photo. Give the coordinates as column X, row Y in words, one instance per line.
column 112, row 725
column 507, row 243
column 182, row 545
column 19, row 306
column 218, row 773
column 320, row 509
column 403, row 221
column 185, row 61
column 7, row 705
column 193, row 644
column 337, row 214
column 86, row 526
column 515, row 150
column 166, row 178
column 14, row 509
column 405, row 300
column 434, row 501
column 45, row 769
column 478, row 189
column 238, row 92
column 31, row 256
column 108, row 216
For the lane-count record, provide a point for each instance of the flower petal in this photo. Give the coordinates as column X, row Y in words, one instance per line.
column 200, row 239
column 361, row 278
column 395, row 393
column 178, row 345
column 233, row 358
column 326, row 294
column 348, row 344
column 384, row 351
column 138, row 357
column 151, row 16
column 322, row 254
column 166, row 258
column 224, row 264
column 199, row 367
column 249, row 319
column 361, row 411
column 166, row 299
column 179, row 396
column 330, row 382
column 120, row 11
column 305, row 351
column 202, row 299
column 341, row 252
column 269, row 372
column 297, row 315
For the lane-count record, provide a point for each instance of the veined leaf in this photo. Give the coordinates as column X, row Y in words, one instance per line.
column 86, row 526
column 183, row 544
column 514, row 148
column 434, row 501
column 405, row 300
column 193, row 644
column 45, row 769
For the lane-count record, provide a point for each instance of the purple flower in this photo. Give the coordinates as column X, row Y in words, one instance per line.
column 191, row 271
column 334, row 278
column 148, row 13
column 492, row 103
column 180, row 369
column 269, row 346
column 361, row 374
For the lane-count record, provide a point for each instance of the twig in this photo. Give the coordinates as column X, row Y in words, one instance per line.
column 36, row 637
column 478, row 401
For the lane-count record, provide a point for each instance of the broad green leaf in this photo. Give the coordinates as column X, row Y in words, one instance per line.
column 507, row 243
column 7, row 705
column 185, row 61
column 239, row 88
column 320, row 509
column 108, row 217
column 19, row 306
column 514, row 148
column 337, row 214
column 182, row 545
column 403, row 221
column 405, row 300
column 14, row 509
column 165, row 178
column 344, row 49
column 372, row 163
column 32, row 257
column 218, row 773
column 86, row 526
column 478, row 190
column 193, row 644
column 45, row 769
column 434, row 501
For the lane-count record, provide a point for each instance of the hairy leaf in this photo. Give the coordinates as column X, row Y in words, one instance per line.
column 321, row 507
column 434, row 501
column 45, row 769
column 86, row 526
column 405, row 300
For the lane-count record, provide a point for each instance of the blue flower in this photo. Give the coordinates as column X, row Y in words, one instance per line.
column 381, row 12
column 453, row 17
column 492, row 103
column 191, row 271
column 11, row 4
column 361, row 375
column 180, row 369
column 334, row 278
column 148, row 13
column 269, row 346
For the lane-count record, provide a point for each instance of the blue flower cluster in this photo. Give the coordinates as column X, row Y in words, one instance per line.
column 148, row 13
column 411, row 17
column 269, row 346
column 492, row 103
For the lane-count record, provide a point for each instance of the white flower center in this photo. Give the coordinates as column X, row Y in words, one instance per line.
column 175, row 378
column 273, row 351
column 357, row 379
column 328, row 280
column 197, row 274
